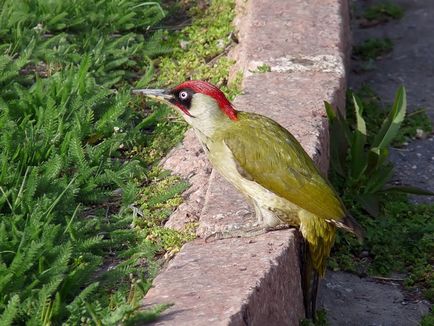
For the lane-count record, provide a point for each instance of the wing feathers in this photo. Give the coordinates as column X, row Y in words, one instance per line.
column 270, row 155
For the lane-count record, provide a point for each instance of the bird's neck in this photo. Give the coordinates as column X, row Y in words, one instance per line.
column 206, row 118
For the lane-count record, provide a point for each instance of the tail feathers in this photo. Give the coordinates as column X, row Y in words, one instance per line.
column 350, row 224
column 310, row 282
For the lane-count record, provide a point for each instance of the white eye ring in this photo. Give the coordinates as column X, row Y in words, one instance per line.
column 183, row 95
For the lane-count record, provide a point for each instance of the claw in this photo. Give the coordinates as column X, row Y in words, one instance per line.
column 216, row 235
column 243, row 212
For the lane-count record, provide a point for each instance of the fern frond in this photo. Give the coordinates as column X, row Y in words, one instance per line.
column 11, row 311
column 53, row 167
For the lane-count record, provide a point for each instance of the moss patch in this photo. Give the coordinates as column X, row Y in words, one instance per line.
column 373, row 48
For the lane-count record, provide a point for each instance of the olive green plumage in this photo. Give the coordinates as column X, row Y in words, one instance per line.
column 277, row 161
column 270, row 156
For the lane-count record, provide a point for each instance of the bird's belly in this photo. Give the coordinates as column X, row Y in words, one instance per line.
column 282, row 209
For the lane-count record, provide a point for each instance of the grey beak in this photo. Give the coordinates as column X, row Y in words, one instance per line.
column 154, row 93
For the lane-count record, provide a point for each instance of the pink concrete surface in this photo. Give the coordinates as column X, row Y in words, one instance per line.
column 256, row 281
column 188, row 161
column 217, row 286
column 274, row 29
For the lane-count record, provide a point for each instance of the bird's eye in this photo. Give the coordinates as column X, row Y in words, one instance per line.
column 183, row 95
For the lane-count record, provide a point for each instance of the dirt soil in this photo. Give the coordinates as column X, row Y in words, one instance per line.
column 348, row 299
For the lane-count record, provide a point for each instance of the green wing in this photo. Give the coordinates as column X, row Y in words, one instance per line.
column 275, row 160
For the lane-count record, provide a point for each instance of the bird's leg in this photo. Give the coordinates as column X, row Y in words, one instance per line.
column 265, row 221
column 241, row 232
column 258, row 213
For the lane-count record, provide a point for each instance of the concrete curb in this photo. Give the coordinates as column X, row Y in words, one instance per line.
column 256, row 281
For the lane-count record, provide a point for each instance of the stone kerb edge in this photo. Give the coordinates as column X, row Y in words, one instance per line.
column 322, row 66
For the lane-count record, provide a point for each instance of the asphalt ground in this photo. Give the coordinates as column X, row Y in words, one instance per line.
column 411, row 63
column 348, row 299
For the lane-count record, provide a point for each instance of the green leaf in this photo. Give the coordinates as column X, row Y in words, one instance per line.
column 152, row 119
column 409, row 190
column 340, row 136
column 331, row 114
column 147, row 76
column 147, row 316
column 376, row 158
column 379, row 178
column 82, row 74
column 392, row 123
column 11, row 311
column 358, row 155
column 370, row 203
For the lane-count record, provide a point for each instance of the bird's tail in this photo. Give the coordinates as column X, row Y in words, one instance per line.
column 350, row 224
column 310, row 281
column 319, row 236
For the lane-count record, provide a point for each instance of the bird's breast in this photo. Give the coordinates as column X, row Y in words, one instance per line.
column 224, row 162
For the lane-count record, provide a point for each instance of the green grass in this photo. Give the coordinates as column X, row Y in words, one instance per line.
column 262, row 69
column 401, row 238
column 383, row 12
column 82, row 203
column 207, row 39
column 320, row 319
column 373, row 48
column 428, row 320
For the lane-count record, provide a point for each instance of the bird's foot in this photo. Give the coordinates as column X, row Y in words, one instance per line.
column 244, row 232
column 244, row 212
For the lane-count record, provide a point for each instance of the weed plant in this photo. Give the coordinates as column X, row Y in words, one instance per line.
column 65, row 185
column 383, row 12
column 373, row 48
column 398, row 234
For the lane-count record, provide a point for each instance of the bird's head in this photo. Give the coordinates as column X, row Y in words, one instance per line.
column 201, row 104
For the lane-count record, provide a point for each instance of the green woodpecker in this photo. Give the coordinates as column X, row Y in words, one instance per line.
column 270, row 167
